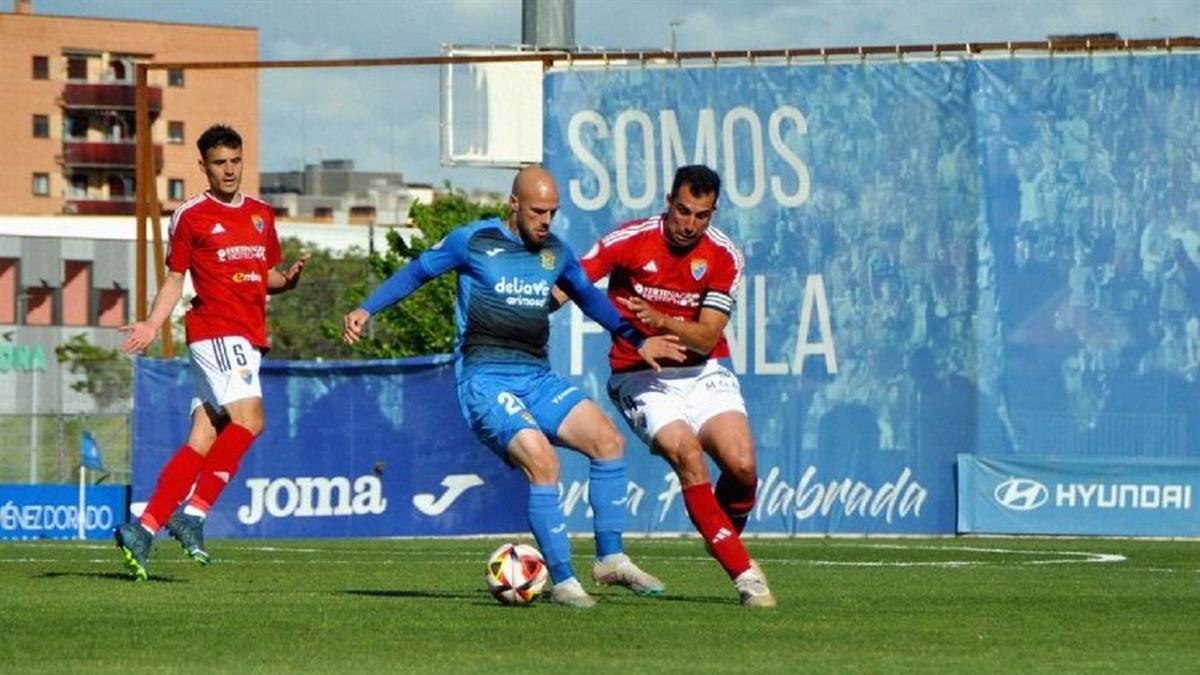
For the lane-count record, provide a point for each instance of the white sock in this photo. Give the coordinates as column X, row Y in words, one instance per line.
column 193, row 511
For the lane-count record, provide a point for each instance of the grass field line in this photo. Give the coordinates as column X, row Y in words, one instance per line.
column 344, row 557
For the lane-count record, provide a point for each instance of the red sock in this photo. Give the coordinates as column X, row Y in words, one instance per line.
column 219, row 466
column 736, row 500
column 712, row 523
column 174, row 482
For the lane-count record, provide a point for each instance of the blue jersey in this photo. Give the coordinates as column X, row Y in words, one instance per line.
column 503, row 309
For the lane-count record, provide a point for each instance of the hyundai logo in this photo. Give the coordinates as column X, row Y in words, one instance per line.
column 1021, row 494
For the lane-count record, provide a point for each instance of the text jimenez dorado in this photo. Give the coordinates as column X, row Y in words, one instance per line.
column 320, row 496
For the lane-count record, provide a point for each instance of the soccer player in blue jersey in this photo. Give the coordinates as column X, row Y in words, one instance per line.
column 509, row 396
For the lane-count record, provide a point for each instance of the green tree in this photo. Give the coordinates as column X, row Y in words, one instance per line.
column 423, row 323
column 107, row 374
column 306, row 322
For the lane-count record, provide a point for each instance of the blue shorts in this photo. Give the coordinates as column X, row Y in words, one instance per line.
column 499, row 400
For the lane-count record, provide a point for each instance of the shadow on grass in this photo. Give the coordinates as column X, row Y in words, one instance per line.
column 482, row 598
column 107, row 576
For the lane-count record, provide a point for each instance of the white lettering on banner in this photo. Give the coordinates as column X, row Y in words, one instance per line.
column 456, row 484
column 813, row 305
column 741, row 139
column 570, row 496
column 306, row 496
column 1148, row 496
column 53, row 517
column 902, row 498
column 806, row 499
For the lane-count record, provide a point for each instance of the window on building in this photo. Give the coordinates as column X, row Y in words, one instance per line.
column 41, row 67
column 76, row 292
column 77, row 68
column 175, row 189
column 41, row 184
column 175, row 132
column 39, row 306
column 78, row 187
column 111, row 307
column 175, row 77
column 41, row 126
column 75, row 127
column 8, row 291
column 118, row 71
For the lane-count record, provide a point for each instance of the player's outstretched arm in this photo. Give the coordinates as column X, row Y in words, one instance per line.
column 701, row 335
column 278, row 282
column 140, row 334
column 661, row 348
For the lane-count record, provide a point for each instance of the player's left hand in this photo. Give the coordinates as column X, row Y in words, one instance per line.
column 353, row 324
column 649, row 316
column 292, row 276
column 662, row 348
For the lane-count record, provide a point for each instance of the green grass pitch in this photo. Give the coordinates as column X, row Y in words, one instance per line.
column 974, row 605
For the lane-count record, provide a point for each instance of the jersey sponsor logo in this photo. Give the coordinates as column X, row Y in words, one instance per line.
column 218, row 229
column 456, row 484
column 699, row 268
column 257, row 222
column 242, row 253
column 517, row 291
column 312, row 497
column 650, row 267
column 666, row 295
column 493, row 252
column 246, row 277
column 548, row 260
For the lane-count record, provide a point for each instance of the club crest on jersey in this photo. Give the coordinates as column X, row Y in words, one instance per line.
column 548, row 260
column 699, row 268
column 258, row 223
column 247, row 376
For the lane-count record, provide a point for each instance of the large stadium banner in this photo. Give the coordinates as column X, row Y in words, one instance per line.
column 997, row 257
column 1056, row 495
column 349, row 450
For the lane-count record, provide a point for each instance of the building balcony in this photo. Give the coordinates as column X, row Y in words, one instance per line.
column 84, row 154
column 117, row 206
column 88, row 96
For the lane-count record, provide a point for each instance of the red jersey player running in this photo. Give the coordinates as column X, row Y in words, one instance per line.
column 227, row 241
column 674, row 274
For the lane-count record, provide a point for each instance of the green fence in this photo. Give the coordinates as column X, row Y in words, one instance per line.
column 45, row 448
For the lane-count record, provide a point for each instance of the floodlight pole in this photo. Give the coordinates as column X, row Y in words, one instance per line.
column 146, row 200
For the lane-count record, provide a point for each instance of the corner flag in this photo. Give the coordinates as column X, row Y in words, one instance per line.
column 89, row 452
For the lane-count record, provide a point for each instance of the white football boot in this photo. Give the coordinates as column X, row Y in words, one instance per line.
column 618, row 570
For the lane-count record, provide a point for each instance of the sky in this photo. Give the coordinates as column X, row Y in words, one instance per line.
column 386, row 119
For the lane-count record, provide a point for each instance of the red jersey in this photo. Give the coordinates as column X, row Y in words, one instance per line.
column 640, row 263
column 229, row 249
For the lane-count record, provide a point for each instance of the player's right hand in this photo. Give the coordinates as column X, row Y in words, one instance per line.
column 139, row 335
column 662, row 348
column 353, row 324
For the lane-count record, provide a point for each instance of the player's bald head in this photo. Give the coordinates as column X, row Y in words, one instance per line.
column 534, row 182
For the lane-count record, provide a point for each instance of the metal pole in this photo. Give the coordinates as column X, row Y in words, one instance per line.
column 142, row 123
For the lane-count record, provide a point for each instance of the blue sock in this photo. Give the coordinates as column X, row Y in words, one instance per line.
column 550, row 530
column 607, row 493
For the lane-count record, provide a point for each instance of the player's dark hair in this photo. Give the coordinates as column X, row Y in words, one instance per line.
column 700, row 180
column 218, row 134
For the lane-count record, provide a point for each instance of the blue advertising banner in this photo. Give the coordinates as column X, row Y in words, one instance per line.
column 358, row 449
column 941, row 257
column 52, row 511
column 1059, row 495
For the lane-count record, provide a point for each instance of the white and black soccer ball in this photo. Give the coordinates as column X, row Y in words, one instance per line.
column 516, row 574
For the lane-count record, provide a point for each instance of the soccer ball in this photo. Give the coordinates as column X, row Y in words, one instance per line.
column 516, row 574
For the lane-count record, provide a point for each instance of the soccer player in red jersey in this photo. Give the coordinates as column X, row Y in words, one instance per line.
column 227, row 241
column 674, row 274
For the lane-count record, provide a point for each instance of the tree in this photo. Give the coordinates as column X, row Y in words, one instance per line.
column 107, row 375
column 424, row 322
column 306, row 322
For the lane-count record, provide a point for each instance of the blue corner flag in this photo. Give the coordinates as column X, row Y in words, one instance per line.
column 89, row 452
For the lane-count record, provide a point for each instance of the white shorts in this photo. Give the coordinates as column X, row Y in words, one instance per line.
column 650, row 401
column 224, row 370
